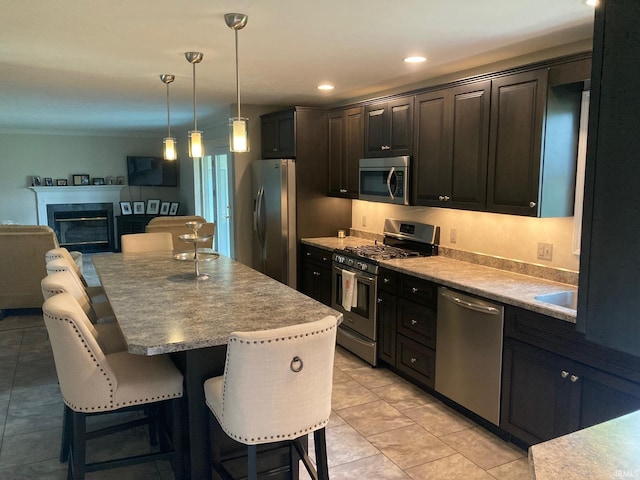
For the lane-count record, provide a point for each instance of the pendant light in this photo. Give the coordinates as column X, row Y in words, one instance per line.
column 169, row 142
column 196, row 150
column 238, row 126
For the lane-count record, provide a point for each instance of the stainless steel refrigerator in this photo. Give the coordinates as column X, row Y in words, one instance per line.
column 274, row 219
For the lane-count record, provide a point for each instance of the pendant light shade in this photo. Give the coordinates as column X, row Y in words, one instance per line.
column 196, row 148
column 169, row 142
column 238, row 125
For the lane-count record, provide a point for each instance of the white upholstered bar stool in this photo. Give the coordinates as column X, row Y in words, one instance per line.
column 276, row 387
column 57, row 261
column 108, row 330
column 146, row 242
column 95, row 382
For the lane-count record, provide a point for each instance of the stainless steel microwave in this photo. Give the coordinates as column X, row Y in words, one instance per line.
column 384, row 180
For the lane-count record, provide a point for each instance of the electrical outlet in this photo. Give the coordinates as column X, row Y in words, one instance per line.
column 453, row 235
column 545, row 251
column 364, row 220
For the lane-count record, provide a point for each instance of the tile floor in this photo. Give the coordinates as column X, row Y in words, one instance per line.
column 381, row 427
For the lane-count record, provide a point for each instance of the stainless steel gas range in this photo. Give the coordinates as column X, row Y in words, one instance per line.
column 355, row 275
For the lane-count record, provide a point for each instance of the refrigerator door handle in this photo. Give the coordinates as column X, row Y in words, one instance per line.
column 258, row 215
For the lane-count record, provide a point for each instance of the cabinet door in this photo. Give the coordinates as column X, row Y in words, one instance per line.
column 323, row 286
column 278, row 135
column 336, row 151
column 433, row 142
column 467, row 180
column 353, row 150
column 389, row 128
column 346, row 146
column 517, row 114
column 387, row 327
column 539, row 401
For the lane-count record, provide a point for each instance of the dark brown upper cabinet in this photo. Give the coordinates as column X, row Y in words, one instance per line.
column 389, row 128
column 278, row 135
column 533, row 145
column 451, row 145
column 346, row 148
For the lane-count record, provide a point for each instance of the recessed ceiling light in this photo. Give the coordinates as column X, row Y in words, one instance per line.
column 415, row 59
column 325, row 86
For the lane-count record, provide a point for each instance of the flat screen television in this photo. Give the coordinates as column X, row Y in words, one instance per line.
column 152, row 172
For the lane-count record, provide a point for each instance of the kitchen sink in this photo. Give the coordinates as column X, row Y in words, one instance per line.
column 561, row 299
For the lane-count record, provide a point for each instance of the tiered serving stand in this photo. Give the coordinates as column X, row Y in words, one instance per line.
column 199, row 254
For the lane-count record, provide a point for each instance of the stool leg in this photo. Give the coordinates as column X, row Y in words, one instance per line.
column 252, row 454
column 67, row 434
column 176, row 438
column 320, row 441
column 77, row 455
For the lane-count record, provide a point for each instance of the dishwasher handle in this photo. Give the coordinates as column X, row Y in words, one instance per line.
column 470, row 305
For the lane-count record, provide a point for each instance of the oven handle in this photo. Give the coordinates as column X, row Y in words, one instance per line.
column 391, row 173
column 359, row 275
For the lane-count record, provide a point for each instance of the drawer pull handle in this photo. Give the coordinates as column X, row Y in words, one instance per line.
column 414, row 322
column 574, row 378
column 414, row 290
column 564, row 374
column 413, row 360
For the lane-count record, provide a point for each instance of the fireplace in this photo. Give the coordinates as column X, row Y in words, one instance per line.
column 81, row 216
column 85, row 227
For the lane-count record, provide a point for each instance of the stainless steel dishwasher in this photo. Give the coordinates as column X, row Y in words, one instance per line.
column 469, row 352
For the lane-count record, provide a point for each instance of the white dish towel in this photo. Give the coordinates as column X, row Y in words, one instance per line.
column 349, row 290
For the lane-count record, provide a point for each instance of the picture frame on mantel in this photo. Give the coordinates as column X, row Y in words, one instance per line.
column 61, row 182
column 80, row 179
column 173, row 209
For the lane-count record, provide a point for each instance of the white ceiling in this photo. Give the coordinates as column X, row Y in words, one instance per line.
column 95, row 65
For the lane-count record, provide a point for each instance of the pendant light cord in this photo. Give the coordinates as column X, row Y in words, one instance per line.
column 168, row 113
column 237, row 74
column 195, row 117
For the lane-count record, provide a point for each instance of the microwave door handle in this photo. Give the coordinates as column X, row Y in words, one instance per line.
column 392, row 172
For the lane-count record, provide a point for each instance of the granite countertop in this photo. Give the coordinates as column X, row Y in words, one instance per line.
column 160, row 311
column 606, row 451
column 500, row 285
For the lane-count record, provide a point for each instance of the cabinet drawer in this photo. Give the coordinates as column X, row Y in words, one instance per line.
column 416, row 360
column 418, row 290
column 417, row 322
column 387, row 280
column 316, row 254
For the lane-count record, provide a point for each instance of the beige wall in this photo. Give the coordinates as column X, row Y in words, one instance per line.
column 60, row 156
column 507, row 236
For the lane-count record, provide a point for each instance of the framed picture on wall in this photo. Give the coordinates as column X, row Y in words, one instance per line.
column 125, row 208
column 173, row 209
column 164, row 208
column 138, row 208
column 153, row 207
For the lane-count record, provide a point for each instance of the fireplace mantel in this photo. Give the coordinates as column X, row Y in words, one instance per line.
column 75, row 194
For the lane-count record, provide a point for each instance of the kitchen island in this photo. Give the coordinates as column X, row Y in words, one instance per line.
column 606, row 451
column 161, row 309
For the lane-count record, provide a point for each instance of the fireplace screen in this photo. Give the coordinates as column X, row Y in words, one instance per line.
column 83, row 227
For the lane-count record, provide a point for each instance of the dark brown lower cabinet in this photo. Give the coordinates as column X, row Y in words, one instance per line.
column 547, row 394
column 387, row 304
column 316, row 274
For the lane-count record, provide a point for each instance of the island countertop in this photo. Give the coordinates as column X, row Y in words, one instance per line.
column 160, row 311
column 503, row 286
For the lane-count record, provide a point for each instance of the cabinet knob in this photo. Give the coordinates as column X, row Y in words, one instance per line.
column 379, row 300
column 385, row 147
column 564, row 374
column 317, row 274
column 274, row 150
column 446, row 198
column 385, row 280
column 532, row 204
column 574, row 378
column 414, row 322
column 324, row 259
column 441, row 198
column 308, row 254
column 343, row 190
column 414, row 290
column 413, row 360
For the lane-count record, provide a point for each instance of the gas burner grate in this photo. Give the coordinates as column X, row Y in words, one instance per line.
column 380, row 252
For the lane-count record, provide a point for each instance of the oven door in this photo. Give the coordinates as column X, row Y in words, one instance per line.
column 362, row 317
